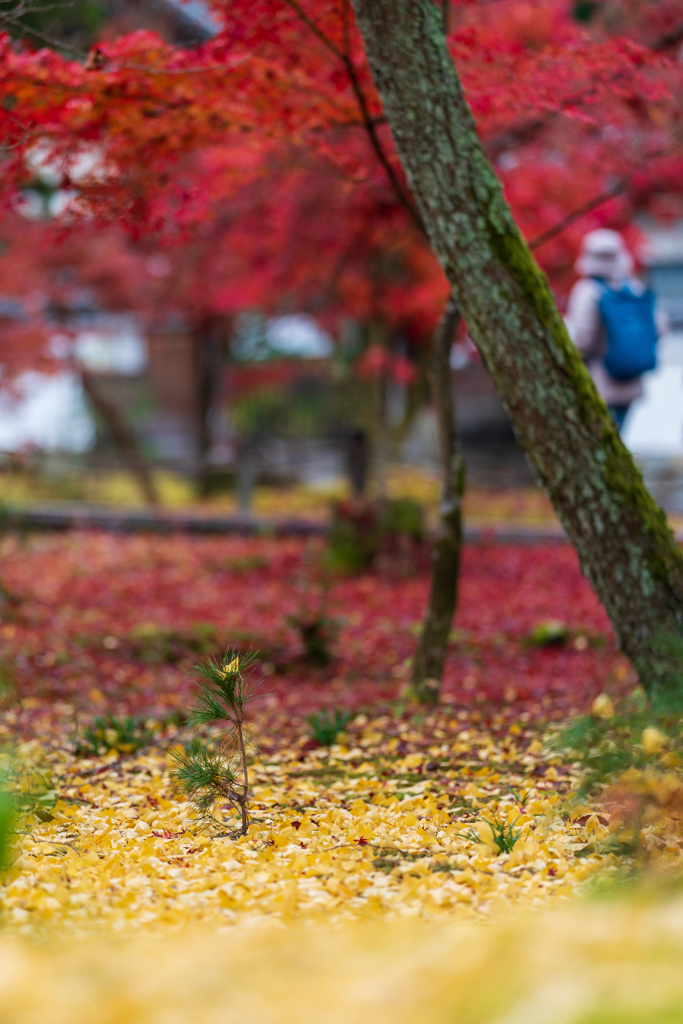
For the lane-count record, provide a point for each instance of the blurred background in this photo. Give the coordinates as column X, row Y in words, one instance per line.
column 143, row 371
column 132, row 413
column 241, row 334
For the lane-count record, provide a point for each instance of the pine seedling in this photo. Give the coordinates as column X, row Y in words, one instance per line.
column 206, row 773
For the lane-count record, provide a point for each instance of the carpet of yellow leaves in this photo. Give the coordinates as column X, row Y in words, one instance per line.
column 388, row 825
column 370, row 885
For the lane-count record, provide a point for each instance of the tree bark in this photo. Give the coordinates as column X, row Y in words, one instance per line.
column 625, row 545
column 122, row 436
column 425, row 684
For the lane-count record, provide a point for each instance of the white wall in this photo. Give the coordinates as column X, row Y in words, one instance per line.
column 655, row 423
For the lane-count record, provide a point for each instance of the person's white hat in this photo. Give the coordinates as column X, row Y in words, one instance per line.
column 604, row 254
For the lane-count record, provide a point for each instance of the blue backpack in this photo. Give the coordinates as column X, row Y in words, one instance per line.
column 629, row 320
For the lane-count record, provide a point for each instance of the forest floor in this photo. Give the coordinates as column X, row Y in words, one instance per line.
column 453, row 814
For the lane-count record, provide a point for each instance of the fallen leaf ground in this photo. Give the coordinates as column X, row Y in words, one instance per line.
column 381, row 853
column 392, row 822
column 399, row 817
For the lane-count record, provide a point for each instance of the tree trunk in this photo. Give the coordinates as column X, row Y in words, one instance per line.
column 425, row 684
column 208, row 350
column 357, row 459
column 625, row 545
column 122, row 436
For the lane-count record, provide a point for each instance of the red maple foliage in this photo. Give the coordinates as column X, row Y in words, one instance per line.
column 261, row 161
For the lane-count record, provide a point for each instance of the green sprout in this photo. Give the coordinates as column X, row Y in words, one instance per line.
column 325, row 727
column 504, row 836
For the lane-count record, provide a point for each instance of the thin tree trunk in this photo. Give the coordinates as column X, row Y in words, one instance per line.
column 622, row 538
column 425, row 684
column 122, row 436
column 207, row 342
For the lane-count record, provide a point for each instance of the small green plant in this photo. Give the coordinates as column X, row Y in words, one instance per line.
column 403, row 516
column 157, row 644
column 550, row 633
column 504, row 835
column 318, row 632
column 519, row 795
column 7, row 813
column 555, row 633
column 316, row 628
column 363, row 529
column 325, row 727
column 125, row 734
column 209, row 773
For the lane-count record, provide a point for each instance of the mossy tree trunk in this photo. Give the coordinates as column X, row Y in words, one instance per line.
column 425, row 684
column 626, row 548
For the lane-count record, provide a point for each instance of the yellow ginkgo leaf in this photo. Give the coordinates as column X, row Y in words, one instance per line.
column 230, row 669
column 653, row 740
column 602, row 706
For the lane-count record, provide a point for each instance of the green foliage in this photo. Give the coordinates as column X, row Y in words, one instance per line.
column 223, row 692
column 585, row 9
column 246, row 564
column 209, row 773
column 325, row 727
column 8, row 686
column 6, row 825
column 310, row 592
column 519, row 795
column 551, row 633
column 361, row 529
column 203, row 775
column 25, row 790
column 73, row 23
column 299, row 411
column 668, row 697
column 402, row 515
column 125, row 734
column 611, row 740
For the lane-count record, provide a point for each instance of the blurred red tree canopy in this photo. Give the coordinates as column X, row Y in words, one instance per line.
column 260, row 164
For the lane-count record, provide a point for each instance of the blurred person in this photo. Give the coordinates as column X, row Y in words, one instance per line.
column 613, row 320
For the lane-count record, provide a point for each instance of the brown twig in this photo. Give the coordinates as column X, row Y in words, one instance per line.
column 603, row 197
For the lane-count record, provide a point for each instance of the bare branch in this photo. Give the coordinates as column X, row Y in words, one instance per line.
column 325, row 40
column 580, row 211
column 603, row 197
